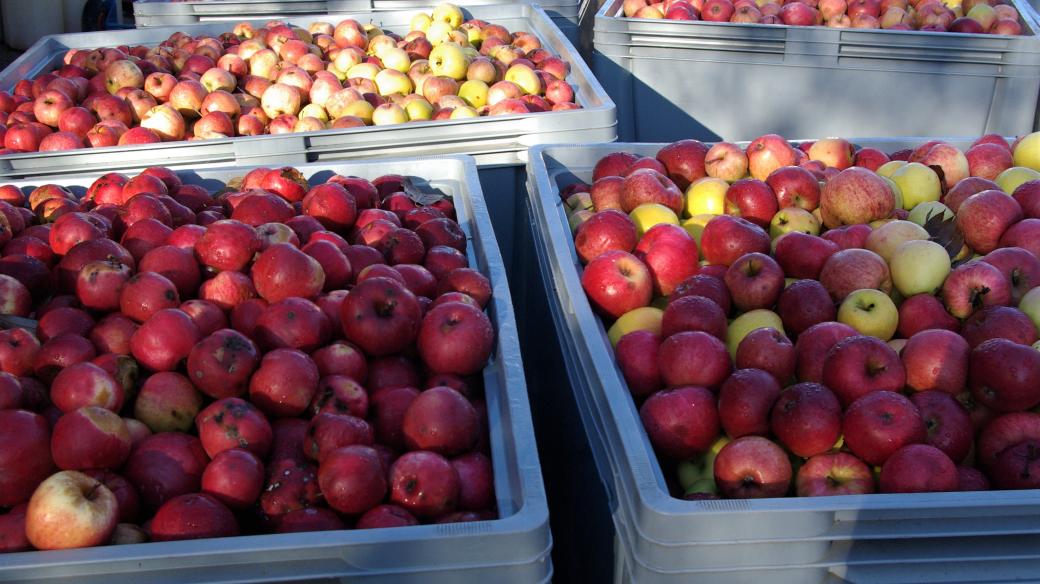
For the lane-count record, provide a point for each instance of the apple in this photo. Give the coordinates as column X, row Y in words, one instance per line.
column 649, row 186
column 984, row 217
column 726, row 238
column 681, row 422
column 755, row 280
column 693, row 358
column 768, row 153
column 606, row 230
column 636, row 354
column 974, row 285
column 693, row 313
column 193, row 516
column 880, row 423
column 769, row 350
column 918, row 184
column 936, row 360
column 948, row 423
column 791, row 219
column 748, row 322
column 794, row 186
column 918, row 468
column 685, row 160
column 988, row 160
column 920, row 266
column 806, row 418
column 803, row 256
column 70, row 510
column 870, row 312
column 855, row 195
column 999, row 387
column 833, row 152
column 857, row 365
column 854, row 269
column 726, row 161
column 752, row 467
column 424, row 483
column 850, row 236
column 999, row 322
column 88, row 438
column 1021, row 234
column 804, row 303
column 745, row 401
column 834, row 473
column 617, row 282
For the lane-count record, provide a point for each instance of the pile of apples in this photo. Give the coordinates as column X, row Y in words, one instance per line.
column 279, row 357
column 966, row 16
column 822, row 319
column 280, row 79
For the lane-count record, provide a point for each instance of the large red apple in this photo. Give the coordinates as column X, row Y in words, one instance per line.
column 617, row 282
column 859, row 365
column 752, row 467
column 726, row 238
column 881, row 422
column 855, row 195
column 681, row 422
column 670, row 253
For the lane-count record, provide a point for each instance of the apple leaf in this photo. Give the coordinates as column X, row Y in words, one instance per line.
column 944, row 232
column 942, row 177
column 422, row 196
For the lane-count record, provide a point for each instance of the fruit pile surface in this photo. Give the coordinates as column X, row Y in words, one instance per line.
column 822, row 319
column 276, row 357
column 280, row 78
column 965, row 16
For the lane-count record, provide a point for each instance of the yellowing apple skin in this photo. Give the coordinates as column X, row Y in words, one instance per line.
column 919, row 267
column 449, row 60
column 647, row 215
column 1027, row 152
column 871, row 312
column 791, row 219
column 747, row 322
column 646, row 318
column 918, row 183
column 705, row 196
column 1012, row 178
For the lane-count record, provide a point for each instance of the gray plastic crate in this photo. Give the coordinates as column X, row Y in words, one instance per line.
column 669, row 536
column 707, row 80
column 565, row 14
column 514, row 548
column 498, row 141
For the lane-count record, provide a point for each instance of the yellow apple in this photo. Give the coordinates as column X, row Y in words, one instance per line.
column 871, row 312
column 889, row 167
column 390, row 81
column 313, row 110
column 360, row 109
column 363, row 71
column 448, row 60
column 791, row 219
column 420, row 21
column 647, row 215
column 463, row 112
column 438, row 33
column 919, row 267
column 525, row 78
column 747, row 322
column 475, row 92
column 705, row 196
column 449, row 13
column 418, row 109
column 918, row 184
column 695, row 227
column 885, row 239
column 389, row 113
column 897, row 192
column 1027, row 152
column 922, row 212
column 1030, row 305
column 646, row 318
column 1012, row 178
column 396, row 58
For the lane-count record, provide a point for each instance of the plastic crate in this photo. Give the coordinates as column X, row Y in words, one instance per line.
column 498, row 141
column 711, row 81
column 671, row 538
column 569, row 15
column 513, row 548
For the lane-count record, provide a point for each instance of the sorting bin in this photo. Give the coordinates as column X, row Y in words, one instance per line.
column 665, row 539
column 513, row 548
column 708, row 80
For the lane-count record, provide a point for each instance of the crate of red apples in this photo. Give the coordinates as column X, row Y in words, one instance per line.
column 259, row 358
column 303, row 89
column 817, row 347
column 807, row 68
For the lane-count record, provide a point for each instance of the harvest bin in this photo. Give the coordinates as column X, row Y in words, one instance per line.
column 513, row 548
column 705, row 80
column 499, row 141
column 566, row 14
column 665, row 539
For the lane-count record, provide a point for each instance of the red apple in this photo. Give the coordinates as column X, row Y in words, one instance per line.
column 880, row 423
column 752, row 467
column 681, row 422
column 70, row 510
column 617, row 282
column 834, row 473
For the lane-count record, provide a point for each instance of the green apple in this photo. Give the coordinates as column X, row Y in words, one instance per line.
column 705, row 196
column 474, row 92
column 1012, row 178
column 644, row 318
column 449, row 13
column 922, row 212
column 363, row 71
column 1027, row 151
column 984, row 14
column 389, row 113
column 390, row 81
column 695, row 227
column 919, row 267
column 525, row 78
column 647, row 215
column 579, row 201
column 747, row 322
column 448, row 60
column 889, row 167
column 871, row 312
column 791, row 219
column 918, row 184
column 313, row 110
column 463, row 112
column 884, row 239
column 1030, row 304
column 420, row 21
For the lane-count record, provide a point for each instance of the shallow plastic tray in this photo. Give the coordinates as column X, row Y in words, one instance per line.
column 497, row 140
column 711, row 81
column 514, row 548
column 567, row 15
column 668, row 535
